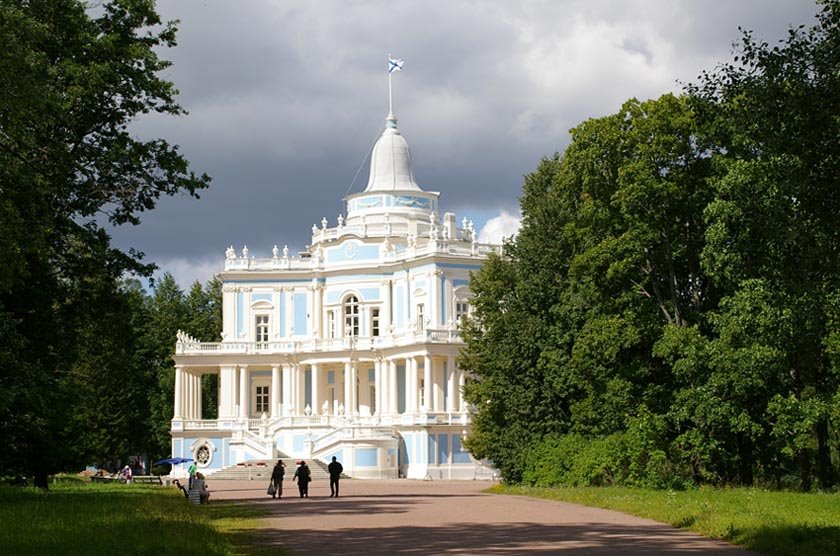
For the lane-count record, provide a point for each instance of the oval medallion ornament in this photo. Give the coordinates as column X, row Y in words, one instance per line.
column 202, row 455
column 350, row 250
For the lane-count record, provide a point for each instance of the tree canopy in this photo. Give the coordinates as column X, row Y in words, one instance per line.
column 668, row 313
column 71, row 83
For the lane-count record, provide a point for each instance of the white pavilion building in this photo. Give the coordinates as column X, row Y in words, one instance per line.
column 348, row 349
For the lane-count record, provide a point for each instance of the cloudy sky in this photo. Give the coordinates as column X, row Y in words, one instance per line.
column 286, row 98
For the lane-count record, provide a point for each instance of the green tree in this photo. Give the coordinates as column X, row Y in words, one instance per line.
column 608, row 253
column 775, row 114
column 70, row 84
column 199, row 314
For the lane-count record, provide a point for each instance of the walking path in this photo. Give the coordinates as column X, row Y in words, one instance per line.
column 453, row 517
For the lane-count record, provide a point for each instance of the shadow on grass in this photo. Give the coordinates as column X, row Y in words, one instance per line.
column 785, row 541
column 104, row 519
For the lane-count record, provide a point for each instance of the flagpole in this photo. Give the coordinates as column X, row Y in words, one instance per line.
column 390, row 97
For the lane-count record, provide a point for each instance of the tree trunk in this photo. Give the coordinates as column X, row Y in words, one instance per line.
column 745, row 461
column 826, row 472
column 41, row 480
column 804, row 470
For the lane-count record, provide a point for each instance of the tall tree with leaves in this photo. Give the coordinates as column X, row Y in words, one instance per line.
column 773, row 227
column 70, row 85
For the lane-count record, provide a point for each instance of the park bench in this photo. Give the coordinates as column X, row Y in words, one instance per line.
column 104, row 478
column 148, row 479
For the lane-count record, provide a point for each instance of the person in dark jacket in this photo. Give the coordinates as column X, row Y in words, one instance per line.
column 335, row 470
column 303, row 477
column 277, row 478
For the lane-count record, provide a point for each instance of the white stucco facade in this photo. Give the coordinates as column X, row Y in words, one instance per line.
column 347, row 349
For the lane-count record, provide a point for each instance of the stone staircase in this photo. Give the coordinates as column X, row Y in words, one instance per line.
column 261, row 470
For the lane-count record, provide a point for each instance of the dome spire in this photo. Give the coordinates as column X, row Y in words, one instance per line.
column 390, row 162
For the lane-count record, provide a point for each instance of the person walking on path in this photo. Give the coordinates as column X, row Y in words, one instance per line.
column 302, row 476
column 335, row 470
column 277, row 478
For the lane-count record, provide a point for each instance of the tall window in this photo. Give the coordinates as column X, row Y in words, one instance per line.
column 262, row 399
column 262, row 329
column 462, row 309
column 421, row 317
column 351, row 316
column 374, row 321
column 330, row 324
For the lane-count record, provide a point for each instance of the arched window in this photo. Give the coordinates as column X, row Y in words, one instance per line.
column 351, row 316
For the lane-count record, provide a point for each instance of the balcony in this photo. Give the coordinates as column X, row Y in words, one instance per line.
column 189, row 346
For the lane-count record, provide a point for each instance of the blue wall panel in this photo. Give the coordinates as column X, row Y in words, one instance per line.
column 300, row 314
column 400, row 388
column 339, row 455
column 459, row 454
column 281, row 314
column 297, row 442
column 369, row 294
column 399, row 306
column 366, row 457
column 443, row 449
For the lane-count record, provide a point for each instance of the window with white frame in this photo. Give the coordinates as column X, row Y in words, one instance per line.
column 462, row 309
column 330, row 324
column 261, row 334
column 351, row 316
column 374, row 321
column 421, row 317
column 262, row 400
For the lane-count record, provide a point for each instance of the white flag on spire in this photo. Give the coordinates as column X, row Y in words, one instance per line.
column 394, row 65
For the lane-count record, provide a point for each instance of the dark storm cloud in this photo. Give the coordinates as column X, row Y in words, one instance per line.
column 285, row 99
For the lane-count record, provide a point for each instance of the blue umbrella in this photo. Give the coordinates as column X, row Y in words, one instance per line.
column 172, row 461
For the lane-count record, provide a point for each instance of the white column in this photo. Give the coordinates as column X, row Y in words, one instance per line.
column 227, row 392
column 243, row 392
column 434, row 299
column 192, row 388
column 440, row 384
column 196, row 395
column 186, row 400
column 317, row 303
column 451, row 389
column 179, row 386
column 428, row 389
column 392, row 403
column 354, row 387
column 275, row 391
column 387, row 309
column 377, row 386
column 298, row 385
column 411, row 385
column 315, row 370
column 198, row 382
column 348, row 396
column 287, row 388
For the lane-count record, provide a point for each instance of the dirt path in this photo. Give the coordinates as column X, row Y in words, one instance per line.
column 453, row 517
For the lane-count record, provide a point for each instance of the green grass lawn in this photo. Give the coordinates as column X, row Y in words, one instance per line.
column 81, row 518
column 772, row 523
